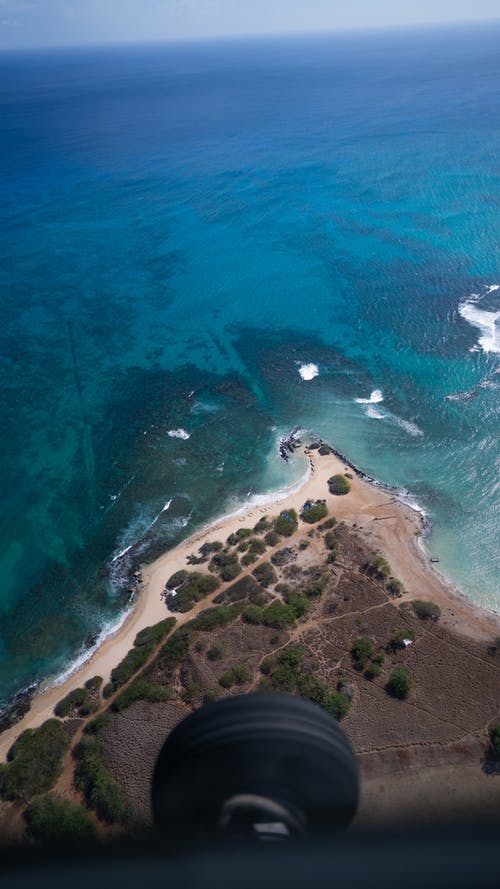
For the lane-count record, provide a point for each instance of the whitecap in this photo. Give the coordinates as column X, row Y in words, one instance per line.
column 485, row 322
column 308, row 371
column 178, row 433
column 123, row 552
column 374, row 414
column 375, row 398
column 492, row 288
column 409, row 427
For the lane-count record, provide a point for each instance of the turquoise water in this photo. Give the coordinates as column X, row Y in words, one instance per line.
column 183, row 228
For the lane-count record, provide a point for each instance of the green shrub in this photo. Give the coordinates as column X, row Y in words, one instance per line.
column 324, row 450
column 211, row 546
column 100, row 722
column 94, row 684
column 314, row 512
column 176, row 579
column 215, row 652
column 244, row 588
column 287, row 523
column 372, row 670
column 337, row 703
column 176, row 648
column 141, row 689
column 101, row 792
column 339, row 485
column 304, row 544
column 426, row 610
column 378, row 567
column 273, row 615
column 328, row 525
column 299, row 603
column 35, row 761
column 495, row 739
column 312, row 688
column 265, row 574
column 262, row 526
column 399, row 635
column 131, row 663
column 53, row 821
column 315, row 582
column 400, row 682
column 226, row 564
column 108, row 690
column 152, row 636
column 331, row 542
column 272, row 538
column 395, row 587
column 72, row 703
column 362, row 651
column 238, row 675
column 248, row 559
column 193, row 588
column 238, row 536
column 213, row 618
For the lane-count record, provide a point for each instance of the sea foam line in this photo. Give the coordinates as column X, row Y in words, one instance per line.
column 141, row 536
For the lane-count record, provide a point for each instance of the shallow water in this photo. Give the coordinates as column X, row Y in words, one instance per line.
column 205, row 245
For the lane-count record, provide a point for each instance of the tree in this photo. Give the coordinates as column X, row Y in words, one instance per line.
column 400, row 682
column 53, row 821
column 362, row 650
column 426, row 610
column 339, row 485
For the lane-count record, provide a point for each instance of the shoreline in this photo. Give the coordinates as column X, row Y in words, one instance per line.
column 397, row 535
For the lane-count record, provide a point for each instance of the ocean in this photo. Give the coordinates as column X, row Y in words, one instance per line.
column 205, row 245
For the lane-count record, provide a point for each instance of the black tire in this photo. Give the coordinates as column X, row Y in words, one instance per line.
column 278, row 747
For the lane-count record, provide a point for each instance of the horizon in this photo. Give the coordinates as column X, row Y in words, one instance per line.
column 89, row 23
column 366, row 30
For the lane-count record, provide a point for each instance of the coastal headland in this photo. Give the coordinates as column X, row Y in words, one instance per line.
column 337, row 590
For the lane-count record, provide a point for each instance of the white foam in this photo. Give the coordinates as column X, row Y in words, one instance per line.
column 375, row 398
column 492, row 288
column 123, row 552
column 109, row 629
column 374, row 414
column 308, row 371
column 409, row 427
column 485, row 322
column 179, row 433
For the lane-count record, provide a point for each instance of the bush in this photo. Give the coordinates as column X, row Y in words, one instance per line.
column 213, row 618
column 53, row 821
column 337, row 703
column 238, row 536
column 395, row 587
column 226, row 564
column 272, row 538
column 362, row 651
column 265, row 574
column 215, row 652
column 72, row 703
column 324, row 450
column 274, row 615
column 400, row 682
column 328, row 525
column 378, row 567
column 304, row 544
column 495, row 739
column 331, row 542
column 176, row 579
column 300, row 604
column 316, row 582
column 339, row 485
column 141, row 689
column 94, row 684
column 244, row 588
column 35, row 761
column 100, row 722
column 313, row 512
column 193, row 588
column 372, row 670
column 101, row 792
column 262, row 526
column 248, row 559
column 211, row 546
column 426, row 610
column 286, row 524
column 399, row 635
column 238, row 675
column 152, row 636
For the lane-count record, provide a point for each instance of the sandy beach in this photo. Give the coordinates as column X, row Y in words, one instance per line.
column 382, row 521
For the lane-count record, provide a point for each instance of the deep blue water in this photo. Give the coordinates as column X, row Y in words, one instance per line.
column 182, row 227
